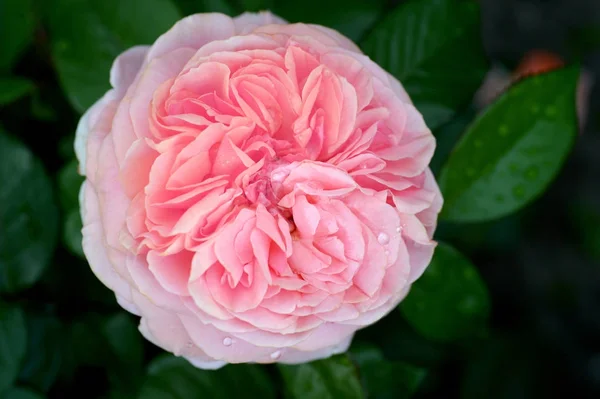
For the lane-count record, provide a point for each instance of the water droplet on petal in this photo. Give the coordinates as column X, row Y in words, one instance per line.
column 227, row 341
column 383, row 238
column 387, row 253
column 398, row 229
column 276, row 355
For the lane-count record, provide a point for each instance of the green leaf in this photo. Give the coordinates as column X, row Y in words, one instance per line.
column 352, row 18
column 28, row 217
column 13, row 343
column 72, row 233
column 12, row 88
column 384, row 379
column 45, row 350
column 171, row 377
column 189, row 7
column 111, row 343
column 331, row 378
column 125, row 343
column 88, row 35
column 450, row 300
column 19, row 393
column 433, row 47
column 513, row 150
column 400, row 342
column 42, row 110
column 69, row 183
column 16, row 30
column 256, row 5
column 447, row 136
column 88, row 342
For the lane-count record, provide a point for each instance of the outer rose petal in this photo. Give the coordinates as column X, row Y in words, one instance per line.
column 126, row 67
column 94, row 249
column 247, row 22
column 91, row 119
column 193, row 32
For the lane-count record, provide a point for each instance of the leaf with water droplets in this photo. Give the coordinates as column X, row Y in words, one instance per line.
column 512, row 151
column 450, row 300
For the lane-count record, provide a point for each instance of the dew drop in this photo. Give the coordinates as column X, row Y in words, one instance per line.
column 387, row 253
column 550, row 110
column 531, row 173
column 398, row 229
column 276, row 355
column 519, row 191
column 383, row 238
column 227, row 341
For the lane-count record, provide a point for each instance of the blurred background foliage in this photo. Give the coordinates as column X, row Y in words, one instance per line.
column 507, row 309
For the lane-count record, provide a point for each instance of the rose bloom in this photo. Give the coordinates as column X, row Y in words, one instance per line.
column 256, row 191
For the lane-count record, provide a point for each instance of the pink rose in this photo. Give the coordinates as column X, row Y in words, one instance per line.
column 256, row 191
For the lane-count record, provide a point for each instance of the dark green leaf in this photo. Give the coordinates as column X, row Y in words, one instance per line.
column 173, row 377
column 12, row 88
column 112, row 343
column 16, row 30
column 384, row 379
column 69, row 183
column 13, row 343
column 28, row 216
column 352, row 18
column 447, row 136
column 330, row 378
column 44, row 352
column 72, row 232
column 450, row 300
column 434, row 48
column 88, row 342
column 400, row 342
column 125, row 343
column 42, row 110
column 513, row 150
column 88, row 35
column 195, row 6
column 20, row 393
column 256, row 5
